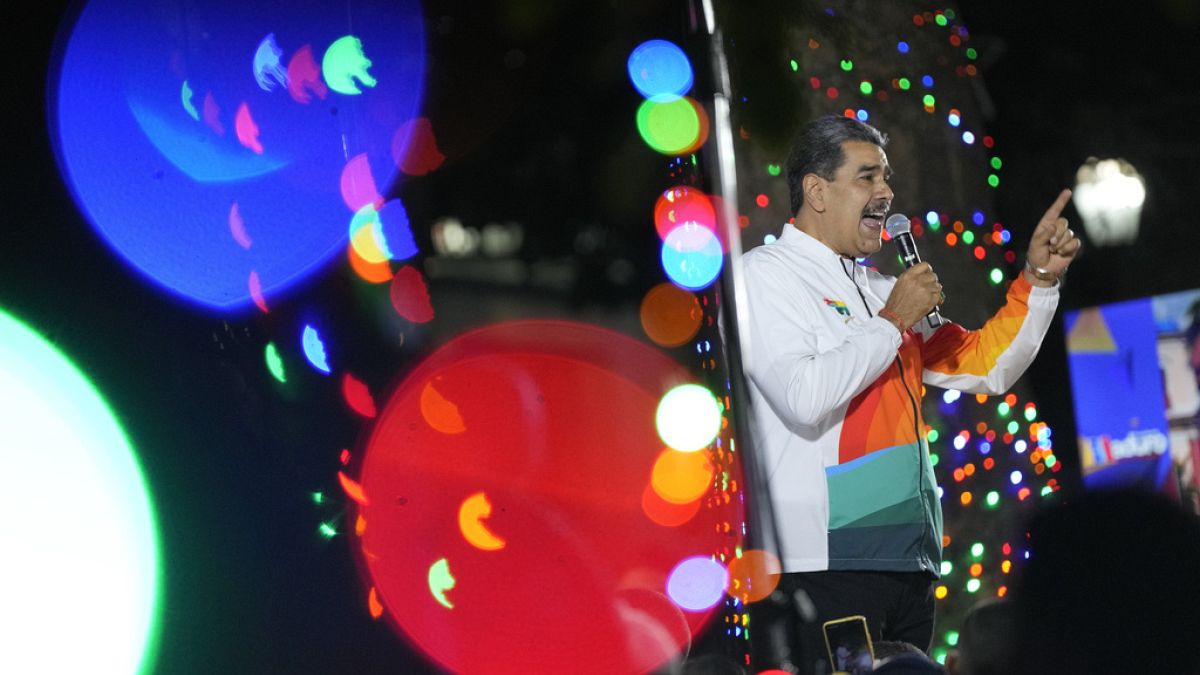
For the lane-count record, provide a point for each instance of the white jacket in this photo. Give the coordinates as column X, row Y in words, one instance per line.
column 836, row 390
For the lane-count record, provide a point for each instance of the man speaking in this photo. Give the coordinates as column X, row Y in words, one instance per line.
column 836, row 357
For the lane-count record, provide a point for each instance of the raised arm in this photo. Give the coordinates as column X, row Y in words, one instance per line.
column 991, row 359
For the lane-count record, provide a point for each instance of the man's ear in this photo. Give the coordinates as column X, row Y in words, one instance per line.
column 814, row 192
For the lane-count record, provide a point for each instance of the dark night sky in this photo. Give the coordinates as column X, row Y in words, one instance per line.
column 1068, row 80
column 1074, row 79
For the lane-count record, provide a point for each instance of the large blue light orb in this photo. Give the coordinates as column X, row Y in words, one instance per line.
column 209, row 141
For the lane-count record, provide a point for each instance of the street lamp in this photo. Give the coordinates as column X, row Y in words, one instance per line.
column 1108, row 196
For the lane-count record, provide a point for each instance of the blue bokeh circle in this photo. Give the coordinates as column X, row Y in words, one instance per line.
column 660, row 68
column 691, row 256
column 183, row 145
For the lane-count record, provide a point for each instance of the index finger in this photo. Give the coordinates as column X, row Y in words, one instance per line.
column 1056, row 208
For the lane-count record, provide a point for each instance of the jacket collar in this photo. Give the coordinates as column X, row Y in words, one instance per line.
column 808, row 246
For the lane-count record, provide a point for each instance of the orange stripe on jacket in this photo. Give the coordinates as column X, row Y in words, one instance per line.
column 953, row 350
column 881, row 416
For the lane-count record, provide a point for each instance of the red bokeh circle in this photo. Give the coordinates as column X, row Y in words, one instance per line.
column 554, row 423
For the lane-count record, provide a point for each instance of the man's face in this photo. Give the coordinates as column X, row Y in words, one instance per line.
column 857, row 201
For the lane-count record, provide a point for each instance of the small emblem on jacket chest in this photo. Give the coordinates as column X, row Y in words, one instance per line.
column 839, row 307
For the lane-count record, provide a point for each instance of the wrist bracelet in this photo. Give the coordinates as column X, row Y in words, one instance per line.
column 1041, row 273
column 894, row 318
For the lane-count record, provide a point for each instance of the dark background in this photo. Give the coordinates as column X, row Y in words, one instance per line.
column 1073, row 80
column 249, row 584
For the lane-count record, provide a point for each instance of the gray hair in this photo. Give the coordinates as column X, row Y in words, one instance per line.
column 818, row 150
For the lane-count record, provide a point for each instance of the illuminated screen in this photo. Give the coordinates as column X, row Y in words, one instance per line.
column 222, row 148
column 1134, row 368
column 79, row 574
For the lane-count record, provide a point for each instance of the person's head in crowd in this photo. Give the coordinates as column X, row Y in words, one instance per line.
column 985, row 640
column 907, row 663
column 1112, row 585
column 885, row 650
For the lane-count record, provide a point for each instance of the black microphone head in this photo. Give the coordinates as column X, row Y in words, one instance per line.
column 897, row 223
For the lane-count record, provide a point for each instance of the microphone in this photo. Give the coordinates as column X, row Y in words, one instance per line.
column 901, row 233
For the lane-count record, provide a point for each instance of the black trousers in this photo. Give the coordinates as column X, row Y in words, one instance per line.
column 898, row 606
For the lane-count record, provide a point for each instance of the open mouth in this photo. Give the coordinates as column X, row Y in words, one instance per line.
column 873, row 218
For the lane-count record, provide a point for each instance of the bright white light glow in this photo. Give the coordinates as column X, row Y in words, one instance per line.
column 1108, row 195
column 688, row 418
column 697, row 583
column 451, row 239
column 79, row 572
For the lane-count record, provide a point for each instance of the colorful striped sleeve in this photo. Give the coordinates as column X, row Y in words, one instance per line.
column 989, row 360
